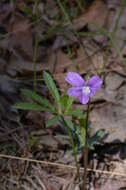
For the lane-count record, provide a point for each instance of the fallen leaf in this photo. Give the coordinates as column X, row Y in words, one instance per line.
column 5, row 11
column 22, row 38
column 96, row 14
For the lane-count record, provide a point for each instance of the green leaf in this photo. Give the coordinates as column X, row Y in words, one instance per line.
column 53, row 89
column 70, row 124
column 100, row 133
column 76, row 113
column 96, row 139
column 29, row 106
column 52, row 121
column 28, row 11
column 82, row 122
column 63, row 100
column 68, row 104
column 66, row 101
column 39, row 99
column 33, row 141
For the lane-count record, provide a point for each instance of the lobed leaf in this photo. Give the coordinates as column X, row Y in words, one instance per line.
column 30, row 106
column 52, row 88
column 39, row 99
column 52, row 121
column 96, row 139
column 76, row 113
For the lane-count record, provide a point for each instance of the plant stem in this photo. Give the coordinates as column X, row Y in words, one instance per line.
column 63, row 10
column 85, row 152
column 122, row 6
column 36, row 46
column 73, row 146
column 79, row 4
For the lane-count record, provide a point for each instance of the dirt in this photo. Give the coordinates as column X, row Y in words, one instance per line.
column 95, row 51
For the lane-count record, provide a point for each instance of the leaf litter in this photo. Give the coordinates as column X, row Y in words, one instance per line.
column 21, row 133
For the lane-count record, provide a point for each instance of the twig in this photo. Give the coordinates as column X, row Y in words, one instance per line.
column 61, row 165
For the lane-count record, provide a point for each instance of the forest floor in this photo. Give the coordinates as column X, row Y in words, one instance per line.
column 88, row 38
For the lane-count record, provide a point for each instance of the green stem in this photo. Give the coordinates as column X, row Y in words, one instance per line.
column 73, row 146
column 123, row 3
column 63, row 10
column 36, row 46
column 79, row 4
column 85, row 152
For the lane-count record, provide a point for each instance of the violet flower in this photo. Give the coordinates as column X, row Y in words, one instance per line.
column 81, row 89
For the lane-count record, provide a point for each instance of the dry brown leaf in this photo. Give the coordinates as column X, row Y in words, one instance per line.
column 120, row 182
column 63, row 64
column 5, row 10
column 97, row 13
column 114, row 12
column 22, row 39
column 83, row 61
column 111, row 115
column 24, row 67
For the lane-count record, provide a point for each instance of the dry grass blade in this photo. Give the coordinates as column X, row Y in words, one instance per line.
column 62, row 165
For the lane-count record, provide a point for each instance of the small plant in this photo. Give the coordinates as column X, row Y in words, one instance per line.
column 83, row 91
column 76, row 127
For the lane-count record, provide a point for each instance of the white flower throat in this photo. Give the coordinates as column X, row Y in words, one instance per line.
column 86, row 90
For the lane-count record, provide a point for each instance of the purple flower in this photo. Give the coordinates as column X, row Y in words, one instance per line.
column 80, row 89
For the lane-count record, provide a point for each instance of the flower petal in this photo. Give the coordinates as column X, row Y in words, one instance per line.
column 92, row 92
column 95, row 84
column 74, row 79
column 84, row 99
column 75, row 92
